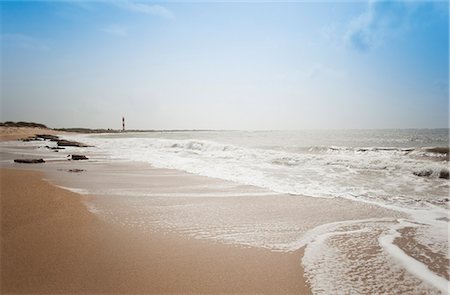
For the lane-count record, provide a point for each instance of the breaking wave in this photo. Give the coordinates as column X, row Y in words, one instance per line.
column 410, row 180
column 374, row 172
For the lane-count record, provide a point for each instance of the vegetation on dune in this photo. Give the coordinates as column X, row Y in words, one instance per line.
column 22, row 124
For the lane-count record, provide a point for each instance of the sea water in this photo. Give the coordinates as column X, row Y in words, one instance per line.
column 399, row 170
column 375, row 165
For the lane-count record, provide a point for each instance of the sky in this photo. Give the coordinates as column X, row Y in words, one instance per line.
column 226, row 65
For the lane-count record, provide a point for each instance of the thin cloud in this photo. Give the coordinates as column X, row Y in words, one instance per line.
column 24, row 42
column 380, row 21
column 115, row 29
column 145, row 8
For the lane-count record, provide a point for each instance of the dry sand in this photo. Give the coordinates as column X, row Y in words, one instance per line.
column 14, row 133
column 50, row 243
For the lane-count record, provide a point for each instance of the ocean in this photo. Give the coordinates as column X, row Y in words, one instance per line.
column 376, row 165
column 371, row 207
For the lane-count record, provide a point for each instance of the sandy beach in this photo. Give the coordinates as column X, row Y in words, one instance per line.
column 224, row 147
column 52, row 244
column 106, row 225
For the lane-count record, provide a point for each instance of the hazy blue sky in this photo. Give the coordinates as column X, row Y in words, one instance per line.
column 166, row 65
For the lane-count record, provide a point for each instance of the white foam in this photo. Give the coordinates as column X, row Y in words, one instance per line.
column 379, row 176
column 212, row 194
column 345, row 258
column 324, row 230
column 346, row 172
column 413, row 266
column 79, row 191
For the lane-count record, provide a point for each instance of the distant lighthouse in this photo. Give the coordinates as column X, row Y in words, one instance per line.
column 123, row 124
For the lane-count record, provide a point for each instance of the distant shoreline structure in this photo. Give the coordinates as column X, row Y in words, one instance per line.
column 23, row 124
column 109, row 130
column 88, row 130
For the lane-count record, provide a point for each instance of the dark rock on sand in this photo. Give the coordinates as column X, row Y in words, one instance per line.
column 29, row 161
column 32, row 138
column 40, row 137
column 47, row 136
column 444, row 174
column 63, row 142
column 54, row 147
column 79, row 157
column 423, row 173
column 440, row 150
column 75, row 170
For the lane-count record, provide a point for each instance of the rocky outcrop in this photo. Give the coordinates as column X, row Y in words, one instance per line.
column 63, row 142
column 29, row 161
column 440, row 150
column 79, row 157
column 47, row 136
column 54, row 138
column 40, row 137
column 55, row 147
column 423, row 173
column 32, row 138
column 444, row 174
column 75, row 170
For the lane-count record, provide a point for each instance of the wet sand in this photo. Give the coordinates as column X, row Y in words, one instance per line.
column 52, row 244
column 139, row 229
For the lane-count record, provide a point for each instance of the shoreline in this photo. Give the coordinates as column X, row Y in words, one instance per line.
column 63, row 248
column 175, row 209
